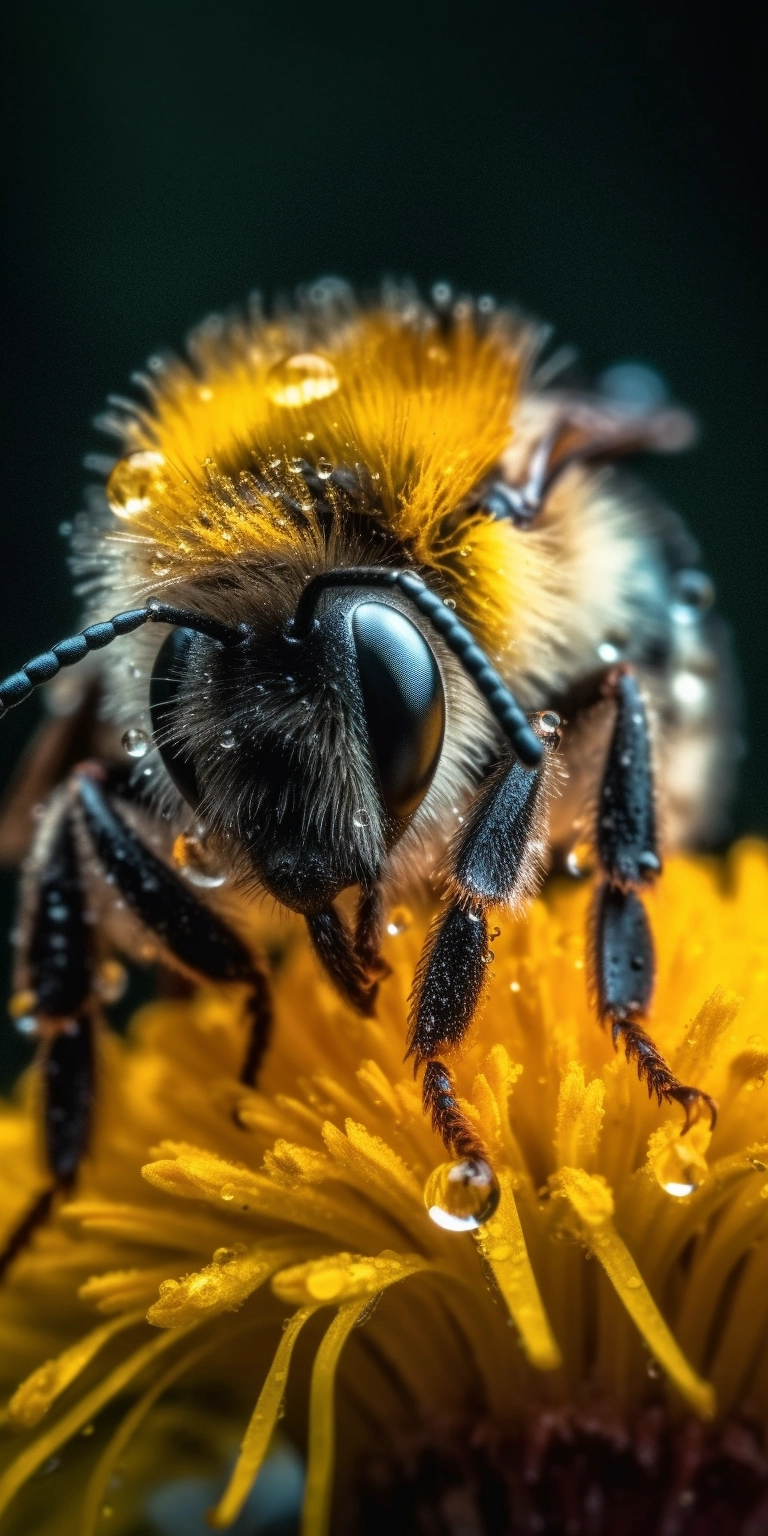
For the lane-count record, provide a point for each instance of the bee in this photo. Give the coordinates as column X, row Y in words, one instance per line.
column 388, row 615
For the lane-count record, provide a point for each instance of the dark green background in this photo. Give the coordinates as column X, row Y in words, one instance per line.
column 599, row 163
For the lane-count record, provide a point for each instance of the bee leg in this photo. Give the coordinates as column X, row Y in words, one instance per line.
column 57, row 967
column 339, row 956
column 193, row 935
column 623, row 955
column 369, row 922
column 492, row 862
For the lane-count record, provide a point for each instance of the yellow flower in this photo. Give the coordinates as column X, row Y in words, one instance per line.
column 219, row 1258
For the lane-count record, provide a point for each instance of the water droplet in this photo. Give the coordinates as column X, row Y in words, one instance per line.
column 227, row 1192
column 135, row 484
column 136, row 743
column 326, row 1284
column 227, row 740
column 302, row 379
column 548, row 723
column 161, row 563
column 166, row 1287
column 758, row 1164
column 680, row 1169
column 324, row 469
column 689, row 689
column 634, row 1283
column 449, row 602
column 400, row 918
column 460, row 1196
column 191, row 859
column 679, row 1188
column 608, row 652
column 361, row 818
column 112, row 981
column 21, row 1002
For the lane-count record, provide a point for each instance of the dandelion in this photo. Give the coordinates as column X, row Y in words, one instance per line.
column 596, row 1353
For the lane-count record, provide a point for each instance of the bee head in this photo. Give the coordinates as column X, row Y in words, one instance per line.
column 307, row 756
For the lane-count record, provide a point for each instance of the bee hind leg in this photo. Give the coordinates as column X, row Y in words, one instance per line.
column 623, row 953
column 56, row 964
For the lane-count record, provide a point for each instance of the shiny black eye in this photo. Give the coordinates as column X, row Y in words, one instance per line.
column 404, row 704
column 171, row 664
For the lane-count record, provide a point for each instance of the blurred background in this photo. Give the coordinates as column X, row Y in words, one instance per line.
column 599, row 164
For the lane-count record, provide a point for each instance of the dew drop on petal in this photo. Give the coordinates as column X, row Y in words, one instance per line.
column 301, row 379
column 135, row 742
column 324, row 469
column 227, row 1192
column 227, row 740
column 361, row 819
column 460, row 1196
column 679, row 1188
column 680, row 1169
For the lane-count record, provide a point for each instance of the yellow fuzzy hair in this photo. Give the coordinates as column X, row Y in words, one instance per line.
column 428, row 411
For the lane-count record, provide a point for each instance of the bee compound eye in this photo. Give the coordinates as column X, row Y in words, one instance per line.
column 404, row 704
column 171, row 666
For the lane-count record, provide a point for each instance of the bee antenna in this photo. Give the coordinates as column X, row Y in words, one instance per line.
column 17, row 687
column 457, row 637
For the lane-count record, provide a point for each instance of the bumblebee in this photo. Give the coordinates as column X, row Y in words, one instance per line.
column 387, row 617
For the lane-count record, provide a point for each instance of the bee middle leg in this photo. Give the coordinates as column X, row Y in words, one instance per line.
column 623, row 953
column 493, row 862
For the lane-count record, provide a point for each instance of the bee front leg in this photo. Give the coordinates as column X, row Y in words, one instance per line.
column 623, row 954
column 192, row 934
column 56, row 970
column 496, row 860
column 344, row 957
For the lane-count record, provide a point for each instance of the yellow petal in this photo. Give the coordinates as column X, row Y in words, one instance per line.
column 100, row 1477
column 259, row 1433
column 580, row 1109
column 34, row 1397
column 502, row 1245
column 222, row 1286
column 122, row 1288
column 25, row 1465
column 320, row 1458
column 343, row 1277
column 592, row 1205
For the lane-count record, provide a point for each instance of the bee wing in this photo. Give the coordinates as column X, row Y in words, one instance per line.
column 592, row 427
